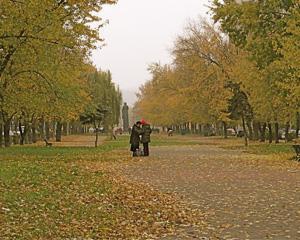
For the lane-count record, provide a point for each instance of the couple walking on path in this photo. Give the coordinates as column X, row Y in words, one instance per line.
column 140, row 132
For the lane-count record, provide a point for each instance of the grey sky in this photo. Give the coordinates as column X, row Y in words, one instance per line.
column 141, row 32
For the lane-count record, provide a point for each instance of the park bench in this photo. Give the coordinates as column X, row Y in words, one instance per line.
column 48, row 144
column 297, row 150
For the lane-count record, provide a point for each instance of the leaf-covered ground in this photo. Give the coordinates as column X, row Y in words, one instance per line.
column 74, row 193
column 189, row 188
column 242, row 195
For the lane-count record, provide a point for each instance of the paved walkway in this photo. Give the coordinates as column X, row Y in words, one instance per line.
column 241, row 196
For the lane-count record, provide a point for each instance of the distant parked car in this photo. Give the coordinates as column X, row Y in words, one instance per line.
column 281, row 133
column 231, row 132
column 240, row 133
column 292, row 134
column 14, row 133
column 93, row 130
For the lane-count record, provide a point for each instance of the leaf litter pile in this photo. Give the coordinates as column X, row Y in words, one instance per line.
column 149, row 214
column 68, row 199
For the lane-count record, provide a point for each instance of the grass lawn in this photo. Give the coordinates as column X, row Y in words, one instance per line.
column 73, row 193
column 270, row 148
column 263, row 148
column 47, row 194
column 63, row 193
column 230, row 143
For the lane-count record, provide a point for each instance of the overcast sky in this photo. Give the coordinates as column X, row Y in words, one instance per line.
column 141, row 32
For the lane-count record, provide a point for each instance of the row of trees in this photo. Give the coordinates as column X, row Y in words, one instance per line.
column 104, row 108
column 244, row 69
column 45, row 69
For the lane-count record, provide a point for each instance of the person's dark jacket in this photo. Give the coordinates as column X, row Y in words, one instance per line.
column 146, row 133
column 135, row 135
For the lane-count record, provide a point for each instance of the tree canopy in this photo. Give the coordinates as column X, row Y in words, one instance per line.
column 45, row 49
column 242, row 68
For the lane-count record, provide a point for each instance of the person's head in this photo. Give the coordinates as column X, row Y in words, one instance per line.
column 138, row 123
column 143, row 122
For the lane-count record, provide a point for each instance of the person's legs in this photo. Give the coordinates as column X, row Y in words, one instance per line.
column 134, row 150
column 146, row 149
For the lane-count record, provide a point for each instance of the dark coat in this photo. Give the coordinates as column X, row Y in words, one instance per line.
column 146, row 133
column 135, row 135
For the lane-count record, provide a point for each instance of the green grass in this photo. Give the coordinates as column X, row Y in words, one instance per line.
column 51, row 193
column 74, row 153
column 58, row 193
column 264, row 149
column 38, row 153
column 43, row 200
column 47, row 194
column 271, row 149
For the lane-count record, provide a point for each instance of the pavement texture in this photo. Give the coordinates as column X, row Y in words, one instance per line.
column 243, row 196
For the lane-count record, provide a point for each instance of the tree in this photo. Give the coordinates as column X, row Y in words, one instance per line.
column 268, row 31
column 104, row 107
column 43, row 48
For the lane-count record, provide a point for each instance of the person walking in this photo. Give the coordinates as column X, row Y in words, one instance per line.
column 146, row 136
column 136, row 132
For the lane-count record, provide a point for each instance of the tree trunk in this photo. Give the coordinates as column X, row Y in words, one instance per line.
column 65, row 128
column 225, row 129
column 192, row 128
column 263, row 132
column 53, row 129
column 256, row 130
column 22, row 133
column 297, row 124
column 245, row 131
column 270, row 133
column 287, row 128
column 259, row 130
column 47, row 130
column 249, row 125
column 41, row 124
column 14, row 127
column 200, row 129
column 1, row 135
column 97, row 136
column 276, row 132
column 6, row 133
column 28, row 137
column 73, row 127
column 58, row 131
column 33, row 129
